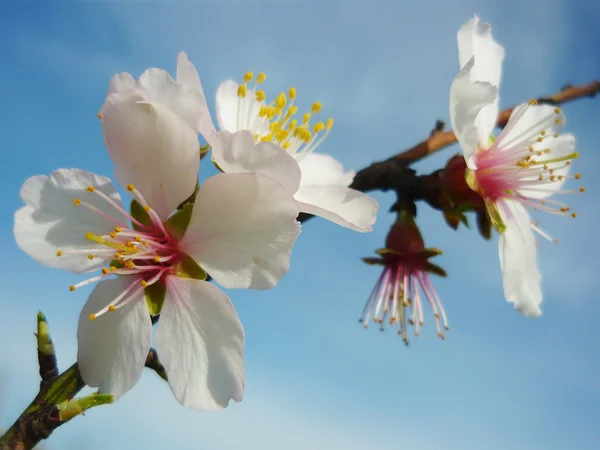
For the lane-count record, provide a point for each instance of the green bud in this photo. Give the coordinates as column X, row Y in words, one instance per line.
column 70, row 408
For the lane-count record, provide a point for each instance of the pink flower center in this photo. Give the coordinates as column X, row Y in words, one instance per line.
column 146, row 254
column 396, row 296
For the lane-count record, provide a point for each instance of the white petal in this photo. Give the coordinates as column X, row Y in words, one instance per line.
column 318, row 169
column 518, row 260
column 242, row 230
column 188, row 76
column 235, row 114
column 50, row 221
column 560, row 146
column 475, row 40
column 467, row 99
column 186, row 101
column 113, row 348
column 152, row 148
column 200, row 342
column 343, row 206
column 121, row 82
column 237, row 153
column 526, row 124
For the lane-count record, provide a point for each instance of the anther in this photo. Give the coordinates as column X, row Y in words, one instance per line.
column 112, row 268
column 533, row 102
column 241, row 92
column 92, row 316
column 100, row 116
column 292, row 93
column 90, row 256
column 118, row 229
column 539, row 139
column 112, row 308
column 329, row 124
column 557, row 120
column 306, row 118
column 59, row 252
column 156, row 259
column 90, row 189
column 72, row 288
column 130, row 187
column 260, row 96
column 555, row 135
column 112, row 234
column 261, row 78
column 581, row 189
column 319, row 126
column 248, row 77
column 543, row 132
column 441, row 335
column 147, row 208
column 577, row 176
column 316, row 107
column 104, row 271
column 557, row 110
column 574, row 215
column 76, row 202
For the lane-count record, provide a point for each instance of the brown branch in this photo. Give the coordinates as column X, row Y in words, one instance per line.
column 440, row 139
column 394, row 173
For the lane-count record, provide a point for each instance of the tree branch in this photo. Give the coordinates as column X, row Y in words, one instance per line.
column 54, row 405
column 394, row 174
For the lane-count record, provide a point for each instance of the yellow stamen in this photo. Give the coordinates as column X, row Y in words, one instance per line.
column 112, row 308
column 143, row 283
column 316, row 107
column 130, row 187
column 90, row 256
column 241, row 92
column 260, row 96
column 329, row 124
column 90, row 189
column 72, row 288
column 92, row 316
column 248, row 77
column 59, row 252
column 76, row 202
column 104, row 271
column 292, row 93
column 261, row 78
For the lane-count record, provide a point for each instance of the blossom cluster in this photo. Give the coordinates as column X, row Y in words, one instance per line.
column 153, row 260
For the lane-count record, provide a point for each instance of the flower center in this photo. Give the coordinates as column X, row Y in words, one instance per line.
column 523, row 167
column 275, row 121
column 144, row 251
column 396, row 297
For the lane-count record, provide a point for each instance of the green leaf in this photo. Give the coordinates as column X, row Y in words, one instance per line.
column 68, row 409
column 155, row 296
column 139, row 213
column 178, row 223
column 186, row 267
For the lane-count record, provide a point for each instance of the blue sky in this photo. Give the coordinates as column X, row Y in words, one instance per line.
column 315, row 378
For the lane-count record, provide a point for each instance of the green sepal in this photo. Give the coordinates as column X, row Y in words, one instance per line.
column 495, row 217
column 216, row 165
column 204, row 149
column 191, row 199
column 68, row 409
column 434, row 268
column 139, row 213
column 155, row 296
column 484, row 225
column 178, row 223
column 470, row 179
column 186, row 267
column 373, row 261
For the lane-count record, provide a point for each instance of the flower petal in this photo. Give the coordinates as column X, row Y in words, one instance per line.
column 237, row 153
column 152, row 148
column 343, row 206
column 200, row 342
column 50, row 221
column 534, row 125
column 186, row 101
column 113, row 348
column 121, row 82
column 561, row 146
column 242, row 230
column 235, row 113
column 518, row 260
column 475, row 40
column 188, row 76
column 467, row 100
column 318, row 170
